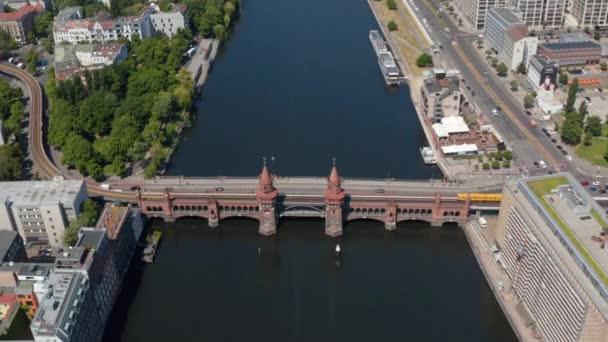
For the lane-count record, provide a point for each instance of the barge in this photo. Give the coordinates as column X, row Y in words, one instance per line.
column 390, row 70
column 152, row 242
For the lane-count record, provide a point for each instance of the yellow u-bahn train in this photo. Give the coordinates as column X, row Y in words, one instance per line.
column 480, row 197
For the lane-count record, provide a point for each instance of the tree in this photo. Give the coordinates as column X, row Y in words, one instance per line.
column 13, row 124
column 597, row 35
column 495, row 164
column 582, row 112
column 424, row 60
column 528, row 101
column 87, row 217
column 219, row 31
column 11, row 162
column 594, row 126
column 392, row 26
column 502, row 69
column 603, row 66
column 209, row 20
column 606, row 153
column 494, row 62
column 506, row 164
column 6, row 44
column 391, row 4
column 43, row 24
column 32, row 58
column 572, row 90
column 97, row 112
column 513, row 85
column 587, row 140
column 571, row 131
column 489, row 52
column 77, row 152
column 521, row 68
column 508, row 155
column 563, row 78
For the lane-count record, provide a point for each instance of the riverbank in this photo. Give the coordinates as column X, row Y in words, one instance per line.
column 398, row 42
column 497, row 280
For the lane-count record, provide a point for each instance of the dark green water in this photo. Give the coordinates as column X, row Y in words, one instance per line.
column 299, row 81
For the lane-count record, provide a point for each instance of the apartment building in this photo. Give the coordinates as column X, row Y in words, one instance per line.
column 168, row 23
column 475, row 11
column 73, row 60
column 590, row 13
column 541, row 13
column 441, row 95
column 498, row 21
column 550, row 243
column 41, row 210
column 18, row 24
column 70, row 26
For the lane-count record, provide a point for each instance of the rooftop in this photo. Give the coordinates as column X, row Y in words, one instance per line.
column 17, row 15
column 574, row 37
column 450, row 125
column 570, row 45
column 55, row 312
column 506, row 14
column 111, row 219
column 578, row 229
column 34, row 193
column 517, row 32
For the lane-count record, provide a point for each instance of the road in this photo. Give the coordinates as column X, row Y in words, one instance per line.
column 529, row 144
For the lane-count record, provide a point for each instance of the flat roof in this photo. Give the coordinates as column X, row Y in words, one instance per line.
column 462, row 148
column 577, row 229
column 450, row 125
column 570, row 45
column 507, row 15
column 34, row 193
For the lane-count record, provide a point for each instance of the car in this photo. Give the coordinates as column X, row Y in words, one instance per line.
column 548, row 134
column 553, row 140
column 542, row 164
column 473, row 93
column 559, row 147
column 219, row 189
column 536, row 164
column 544, row 130
column 379, row 191
column 600, row 90
column 585, row 183
column 482, row 222
column 588, row 99
column 569, row 157
column 528, row 112
column 494, row 112
column 596, row 183
column 564, row 152
column 602, row 191
column 593, row 189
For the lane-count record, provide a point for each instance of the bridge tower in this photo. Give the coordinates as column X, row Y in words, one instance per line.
column 266, row 195
column 390, row 221
column 168, row 206
column 213, row 215
column 334, row 199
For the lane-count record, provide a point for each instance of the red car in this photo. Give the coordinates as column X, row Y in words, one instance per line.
column 584, row 183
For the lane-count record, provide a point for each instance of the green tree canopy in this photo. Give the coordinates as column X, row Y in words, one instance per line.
column 572, row 90
column 424, row 60
column 11, row 162
column 502, row 69
column 594, row 126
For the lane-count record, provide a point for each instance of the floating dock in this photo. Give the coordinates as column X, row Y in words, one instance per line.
column 390, row 70
column 201, row 61
column 152, row 242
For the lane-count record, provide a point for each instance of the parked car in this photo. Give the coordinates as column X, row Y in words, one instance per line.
column 596, row 183
column 559, row 147
column 553, row 140
column 585, row 183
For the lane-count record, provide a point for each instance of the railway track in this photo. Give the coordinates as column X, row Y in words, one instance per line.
column 42, row 163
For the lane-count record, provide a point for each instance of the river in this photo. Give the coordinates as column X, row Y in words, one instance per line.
column 299, row 81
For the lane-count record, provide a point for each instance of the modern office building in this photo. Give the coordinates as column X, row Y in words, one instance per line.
column 517, row 47
column 541, row 69
column 572, row 54
column 550, row 239
column 541, row 13
column 18, row 24
column 40, row 210
column 590, row 13
column 90, row 277
column 475, row 11
column 11, row 247
column 498, row 21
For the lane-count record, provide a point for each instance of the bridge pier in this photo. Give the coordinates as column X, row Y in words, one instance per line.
column 268, row 220
column 390, row 221
column 213, row 217
column 333, row 220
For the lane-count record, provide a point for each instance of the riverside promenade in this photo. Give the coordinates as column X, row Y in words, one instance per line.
column 414, row 79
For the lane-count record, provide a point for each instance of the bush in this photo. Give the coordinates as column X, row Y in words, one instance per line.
column 508, row 155
column 391, row 4
column 496, row 165
column 485, row 166
column 424, row 60
column 502, row 69
column 392, row 26
column 506, row 164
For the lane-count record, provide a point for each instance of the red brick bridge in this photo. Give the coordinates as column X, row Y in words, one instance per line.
column 268, row 198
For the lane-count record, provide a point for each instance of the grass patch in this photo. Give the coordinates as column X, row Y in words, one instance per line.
column 543, row 187
column 605, row 130
column 594, row 153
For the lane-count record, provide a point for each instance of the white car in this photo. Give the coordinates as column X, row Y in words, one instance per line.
column 569, row 157
column 596, row 183
column 482, row 222
column 494, row 112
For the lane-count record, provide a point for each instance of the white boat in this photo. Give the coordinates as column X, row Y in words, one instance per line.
column 428, row 155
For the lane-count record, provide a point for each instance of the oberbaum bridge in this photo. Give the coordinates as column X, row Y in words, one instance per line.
column 337, row 200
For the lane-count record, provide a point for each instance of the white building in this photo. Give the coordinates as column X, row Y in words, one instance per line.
column 475, row 11
column 498, row 21
column 41, row 210
column 590, row 13
column 75, row 59
column 450, row 125
column 517, row 47
column 555, row 271
column 540, row 68
column 541, row 13
column 70, row 26
column 168, row 23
